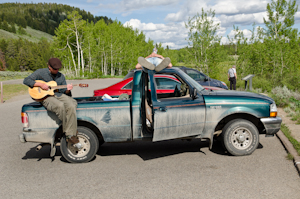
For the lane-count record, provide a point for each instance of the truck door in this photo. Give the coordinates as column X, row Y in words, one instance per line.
column 178, row 117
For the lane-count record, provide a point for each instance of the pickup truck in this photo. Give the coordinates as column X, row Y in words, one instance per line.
column 190, row 112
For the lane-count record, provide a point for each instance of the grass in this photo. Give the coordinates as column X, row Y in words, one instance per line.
column 289, row 156
column 31, row 35
column 10, row 78
column 286, row 131
column 11, row 90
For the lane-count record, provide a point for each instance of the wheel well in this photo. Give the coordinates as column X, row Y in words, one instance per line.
column 256, row 121
column 93, row 128
column 59, row 131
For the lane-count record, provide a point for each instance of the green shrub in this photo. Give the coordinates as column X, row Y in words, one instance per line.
column 281, row 95
column 288, row 110
column 7, row 75
column 263, row 83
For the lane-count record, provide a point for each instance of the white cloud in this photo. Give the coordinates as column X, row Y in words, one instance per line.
column 242, row 19
column 189, row 8
column 239, row 7
column 171, row 34
column 126, row 7
column 228, row 7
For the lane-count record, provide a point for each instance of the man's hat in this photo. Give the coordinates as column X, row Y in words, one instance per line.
column 233, row 66
column 55, row 63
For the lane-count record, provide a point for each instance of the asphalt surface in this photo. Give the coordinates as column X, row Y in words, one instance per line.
column 168, row 169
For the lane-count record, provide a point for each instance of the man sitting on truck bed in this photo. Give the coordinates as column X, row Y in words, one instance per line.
column 61, row 104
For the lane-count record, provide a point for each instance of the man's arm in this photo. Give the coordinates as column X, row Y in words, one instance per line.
column 155, row 55
column 42, row 85
column 235, row 73
column 30, row 81
column 138, row 66
column 64, row 82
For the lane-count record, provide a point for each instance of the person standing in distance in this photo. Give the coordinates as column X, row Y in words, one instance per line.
column 232, row 77
column 60, row 103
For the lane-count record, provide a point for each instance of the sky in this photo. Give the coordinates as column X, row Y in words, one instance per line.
column 163, row 21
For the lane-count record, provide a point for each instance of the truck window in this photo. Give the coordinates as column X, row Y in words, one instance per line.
column 195, row 75
column 172, row 86
column 166, row 83
column 128, row 86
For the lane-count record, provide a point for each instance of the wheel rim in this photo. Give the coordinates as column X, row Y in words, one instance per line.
column 241, row 138
column 85, row 147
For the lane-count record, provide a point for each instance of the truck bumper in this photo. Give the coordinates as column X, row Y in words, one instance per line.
column 42, row 136
column 22, row 138
column 272, row 125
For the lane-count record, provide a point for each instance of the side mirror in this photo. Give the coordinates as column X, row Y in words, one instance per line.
column 194, row 94
column 206, row 79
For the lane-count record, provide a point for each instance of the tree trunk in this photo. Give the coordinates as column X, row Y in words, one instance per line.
column 112, row 70
column 105, row 65
column 75, row 67
column 120, row 69
column 82, row 61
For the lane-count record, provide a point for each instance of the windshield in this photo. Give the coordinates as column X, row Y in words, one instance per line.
column 191, row 81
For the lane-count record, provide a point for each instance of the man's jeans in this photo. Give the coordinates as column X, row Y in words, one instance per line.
column 232, row 83
column 154, row 60
column 65, row 109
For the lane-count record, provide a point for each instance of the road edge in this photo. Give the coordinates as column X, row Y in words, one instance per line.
column 290, row 148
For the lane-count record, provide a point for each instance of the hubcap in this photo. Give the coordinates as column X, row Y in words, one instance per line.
column 241, row 138
column 85, row 147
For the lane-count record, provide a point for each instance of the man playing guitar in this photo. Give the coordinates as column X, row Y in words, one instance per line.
column 60, row 103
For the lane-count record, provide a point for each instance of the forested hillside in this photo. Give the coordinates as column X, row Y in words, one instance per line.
column 93, row 48
column 26, row 31
column 45, row 17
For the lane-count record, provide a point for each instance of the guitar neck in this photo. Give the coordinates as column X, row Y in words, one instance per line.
column 61, row 86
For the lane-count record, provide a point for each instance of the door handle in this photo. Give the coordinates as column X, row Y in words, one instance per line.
column 163, row 109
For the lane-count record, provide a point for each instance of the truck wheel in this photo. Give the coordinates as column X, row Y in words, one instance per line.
column 240, row 137
column 90, row 146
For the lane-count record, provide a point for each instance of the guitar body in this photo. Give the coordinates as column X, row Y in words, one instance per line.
column 38, row 93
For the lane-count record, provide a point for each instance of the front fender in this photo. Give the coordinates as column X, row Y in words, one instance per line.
column 215, row 114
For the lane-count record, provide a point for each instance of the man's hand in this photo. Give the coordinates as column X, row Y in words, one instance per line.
column 45, row 87
column 42, row 86
column 69, row 87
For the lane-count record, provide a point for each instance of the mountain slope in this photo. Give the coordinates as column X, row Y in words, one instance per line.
column 45, row 17
column 31, row 35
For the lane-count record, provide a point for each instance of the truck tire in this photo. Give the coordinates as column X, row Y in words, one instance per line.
column 90, row 146
column 240, row 137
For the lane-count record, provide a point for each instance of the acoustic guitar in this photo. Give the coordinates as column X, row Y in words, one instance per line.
column 38, row 94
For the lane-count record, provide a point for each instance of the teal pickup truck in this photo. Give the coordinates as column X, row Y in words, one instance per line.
column 188, row 112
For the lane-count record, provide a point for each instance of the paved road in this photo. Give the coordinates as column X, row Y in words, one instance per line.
column 168, row 169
